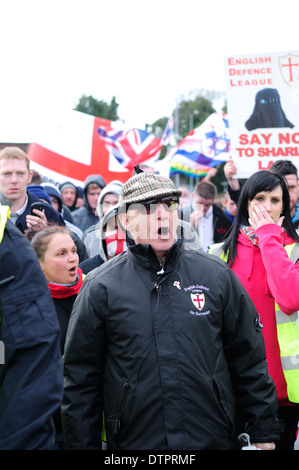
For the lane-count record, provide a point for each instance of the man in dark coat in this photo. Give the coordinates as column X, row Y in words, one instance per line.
column 165, row 341
column 30, row 364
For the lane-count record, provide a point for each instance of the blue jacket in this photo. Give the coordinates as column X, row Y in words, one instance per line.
column 31, row 385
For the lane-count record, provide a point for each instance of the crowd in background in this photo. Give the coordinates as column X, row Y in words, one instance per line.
column 76, row 230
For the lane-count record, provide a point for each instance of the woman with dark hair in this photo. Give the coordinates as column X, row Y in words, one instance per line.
column 262, row 249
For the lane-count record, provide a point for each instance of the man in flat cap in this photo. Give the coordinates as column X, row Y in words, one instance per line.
column 164, row 342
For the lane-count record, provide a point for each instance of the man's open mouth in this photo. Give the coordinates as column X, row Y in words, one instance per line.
column 163, row 231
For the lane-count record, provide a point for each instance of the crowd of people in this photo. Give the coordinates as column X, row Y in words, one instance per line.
column 132, row 318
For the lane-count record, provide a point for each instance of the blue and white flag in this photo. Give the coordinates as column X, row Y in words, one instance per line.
column 167, row 131
column 203, row 148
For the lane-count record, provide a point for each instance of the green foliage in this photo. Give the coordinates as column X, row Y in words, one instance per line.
column 189, row 114
column 98, row 108
column 192, row 114
column 157, row 128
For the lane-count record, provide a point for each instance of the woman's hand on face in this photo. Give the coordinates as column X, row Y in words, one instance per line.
column 261, row 217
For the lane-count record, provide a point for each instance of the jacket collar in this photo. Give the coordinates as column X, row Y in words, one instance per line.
column 145, row 256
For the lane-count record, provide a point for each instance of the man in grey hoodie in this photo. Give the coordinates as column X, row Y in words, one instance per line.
column 86, row 216
column 104, row 240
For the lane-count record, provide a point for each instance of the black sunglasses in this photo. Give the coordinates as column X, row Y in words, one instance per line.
column 171, row 203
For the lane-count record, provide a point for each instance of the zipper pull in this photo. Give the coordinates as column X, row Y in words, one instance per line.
column 162, row 268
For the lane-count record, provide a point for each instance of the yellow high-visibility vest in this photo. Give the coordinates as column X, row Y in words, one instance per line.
column 288, row 339
column 4, row 215
column 287, row 330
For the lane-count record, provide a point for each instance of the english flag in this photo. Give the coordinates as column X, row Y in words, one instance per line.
column 74, row 148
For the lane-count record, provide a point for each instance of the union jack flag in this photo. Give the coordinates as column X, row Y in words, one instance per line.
column 129, row 148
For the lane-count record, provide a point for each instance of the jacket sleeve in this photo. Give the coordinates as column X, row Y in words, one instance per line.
column 234, row 193
column 282, row 273
column 31, row 376
column 243, row 341
column 82, row 408
column 51, row 214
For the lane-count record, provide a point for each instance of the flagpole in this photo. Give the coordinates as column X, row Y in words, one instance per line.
column 176, row 129
column 176, row 122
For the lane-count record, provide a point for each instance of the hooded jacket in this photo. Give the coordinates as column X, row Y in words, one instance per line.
column 114, row 187
column 84, row 216
column 165, row 351
column 52, row 190
column 94, row 236
column 267, row 274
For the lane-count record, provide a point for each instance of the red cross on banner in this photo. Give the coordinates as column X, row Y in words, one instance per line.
column 289, row 68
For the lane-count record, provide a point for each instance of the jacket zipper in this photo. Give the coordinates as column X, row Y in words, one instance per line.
column 121, row 409
column 221, row 400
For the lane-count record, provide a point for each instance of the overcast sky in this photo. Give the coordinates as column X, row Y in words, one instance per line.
column 145, row 53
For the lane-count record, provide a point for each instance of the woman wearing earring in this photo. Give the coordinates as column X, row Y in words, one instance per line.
column 262, row 249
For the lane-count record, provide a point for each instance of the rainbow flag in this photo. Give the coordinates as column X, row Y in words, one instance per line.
column 203, row 148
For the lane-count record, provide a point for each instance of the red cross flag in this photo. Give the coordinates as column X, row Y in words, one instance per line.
column 74, row 148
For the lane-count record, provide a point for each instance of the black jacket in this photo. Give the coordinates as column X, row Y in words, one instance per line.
column 63, row 308
column 31, row 376
column 221, row 223
column 165, row 353
column 89, row 264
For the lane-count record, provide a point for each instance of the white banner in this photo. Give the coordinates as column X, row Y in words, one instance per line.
column 263, row 109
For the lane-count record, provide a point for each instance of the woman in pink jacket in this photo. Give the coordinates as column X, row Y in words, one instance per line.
column 255, row 252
